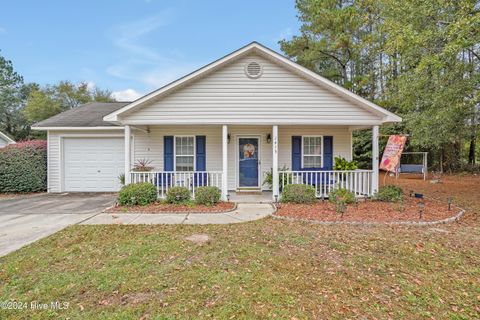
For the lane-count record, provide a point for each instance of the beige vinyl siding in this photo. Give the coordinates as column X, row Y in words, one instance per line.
column 228, row 96
column 149, row 145
column 53, row 156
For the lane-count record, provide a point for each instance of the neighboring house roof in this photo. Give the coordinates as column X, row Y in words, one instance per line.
column 253, row 48
column 6, row 138
column 87, row 115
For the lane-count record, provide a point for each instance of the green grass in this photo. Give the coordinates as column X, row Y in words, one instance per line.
column 263, row 269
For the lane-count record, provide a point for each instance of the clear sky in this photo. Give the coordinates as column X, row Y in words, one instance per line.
column 133, row 46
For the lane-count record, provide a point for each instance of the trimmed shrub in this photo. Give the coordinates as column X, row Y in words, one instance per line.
column 137, row 194
column 207, row 195
column 299, row 193
column 178, row 195
column 389, row 193
column 340, row 197
column 23, row 167
column 341, row 194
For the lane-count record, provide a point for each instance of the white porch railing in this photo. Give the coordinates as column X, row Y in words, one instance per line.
column 357, row 181
column 164, row 180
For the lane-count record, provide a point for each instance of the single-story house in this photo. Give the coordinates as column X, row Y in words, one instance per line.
column 227, row 124
column 5, row 140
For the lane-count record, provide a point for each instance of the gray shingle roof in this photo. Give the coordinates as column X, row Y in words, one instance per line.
column 87, row 115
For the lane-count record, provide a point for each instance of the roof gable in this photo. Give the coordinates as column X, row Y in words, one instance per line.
column 255, row 51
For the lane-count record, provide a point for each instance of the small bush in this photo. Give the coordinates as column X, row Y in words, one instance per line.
column 389, row 193
column 207, row 195
column 23, row 167
column 299, row 193
column 137, row 194
column 340, row 197
column 178, row 195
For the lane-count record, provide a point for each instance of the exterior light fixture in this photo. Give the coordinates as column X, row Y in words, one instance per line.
column 269, row 138
column 228, row 197
column 421, row 208
column 228, row 138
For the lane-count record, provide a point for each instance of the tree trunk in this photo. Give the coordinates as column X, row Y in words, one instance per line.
column 471, row 151
column 441, row 160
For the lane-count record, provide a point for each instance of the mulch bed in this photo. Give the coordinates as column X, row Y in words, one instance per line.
column 159, row 207
column 369, row 211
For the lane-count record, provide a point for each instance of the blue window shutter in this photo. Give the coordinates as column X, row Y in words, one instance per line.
column 168, row 153
column 327, row 152
column 296, row 153
column 200, row 179
column 200, row 153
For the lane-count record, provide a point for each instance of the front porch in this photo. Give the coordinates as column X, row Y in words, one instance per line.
column 238, row 158
column 357, row 181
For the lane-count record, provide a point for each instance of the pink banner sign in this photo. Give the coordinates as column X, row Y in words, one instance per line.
column 393, row 151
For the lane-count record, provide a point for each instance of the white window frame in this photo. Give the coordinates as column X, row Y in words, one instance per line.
column 321, row 149
column 175, row 152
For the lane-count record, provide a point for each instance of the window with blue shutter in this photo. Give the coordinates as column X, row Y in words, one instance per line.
column 307, row 155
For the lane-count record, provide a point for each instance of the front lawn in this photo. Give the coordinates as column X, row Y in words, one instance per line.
column 262, row 269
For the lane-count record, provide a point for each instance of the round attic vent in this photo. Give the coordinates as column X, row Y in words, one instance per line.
column 253, row 69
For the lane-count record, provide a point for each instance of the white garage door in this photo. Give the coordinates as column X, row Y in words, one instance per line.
column 92, row 164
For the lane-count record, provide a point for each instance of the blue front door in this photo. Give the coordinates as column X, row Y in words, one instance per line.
column 248, row 162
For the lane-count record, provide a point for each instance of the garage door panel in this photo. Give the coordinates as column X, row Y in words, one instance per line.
column 93, row 164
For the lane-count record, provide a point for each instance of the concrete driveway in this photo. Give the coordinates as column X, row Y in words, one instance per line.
column 26, row 220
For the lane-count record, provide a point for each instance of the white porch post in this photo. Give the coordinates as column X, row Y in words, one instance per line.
column 224, row 162
column 375, row 158
column 275, row 180
column 127, row 154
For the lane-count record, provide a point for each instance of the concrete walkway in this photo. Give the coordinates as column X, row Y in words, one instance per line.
column 244, row 212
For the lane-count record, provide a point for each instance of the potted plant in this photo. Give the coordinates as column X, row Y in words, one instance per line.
column 343, row 164
column 143, row 165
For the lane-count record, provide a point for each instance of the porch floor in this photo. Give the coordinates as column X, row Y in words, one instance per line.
column 239, row 197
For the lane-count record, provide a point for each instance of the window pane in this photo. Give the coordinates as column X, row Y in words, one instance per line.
column 184, row 163
column 178, row 145
column 312, row 161
column 184, row 146
column 312, row 146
